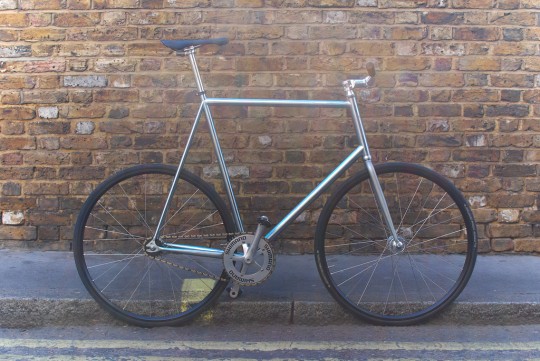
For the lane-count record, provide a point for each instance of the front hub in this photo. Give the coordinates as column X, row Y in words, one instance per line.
column 396, row 245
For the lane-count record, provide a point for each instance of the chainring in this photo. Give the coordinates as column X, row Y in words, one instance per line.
column 258, row 270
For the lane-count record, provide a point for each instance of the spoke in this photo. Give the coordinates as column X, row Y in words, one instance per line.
column 424, row 250
column 394, row 269
column 429, row 215
column 410, row 203
column 434, row 214
column 120, row 224
column 138, row 285
column 128, row 256
column 198, row 224
column 118, row 274
column 446, row 221
column 365, row 263
column 112, row 265
column 350, row 243
column 433, row 239
column 107, row 230
column 427, row 278
column 376, row 222
column 141, row 218
column 182, row 207
column 354, row 276
column 372, row 273
column 423, row 276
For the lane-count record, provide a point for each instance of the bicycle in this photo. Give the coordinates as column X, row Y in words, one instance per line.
column 156, row 245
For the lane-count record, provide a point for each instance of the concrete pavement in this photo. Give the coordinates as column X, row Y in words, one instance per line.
column 43, row 288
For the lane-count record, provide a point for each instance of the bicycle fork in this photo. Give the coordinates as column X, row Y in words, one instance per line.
column 394, row 242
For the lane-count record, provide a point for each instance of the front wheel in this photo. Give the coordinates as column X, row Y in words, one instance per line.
column 404, row 282
column 117, row 221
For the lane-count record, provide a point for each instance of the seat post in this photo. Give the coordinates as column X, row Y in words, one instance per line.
column 190, row 52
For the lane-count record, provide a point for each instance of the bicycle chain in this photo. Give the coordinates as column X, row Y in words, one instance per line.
column 184, row 268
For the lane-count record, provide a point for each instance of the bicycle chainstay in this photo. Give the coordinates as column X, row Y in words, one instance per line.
column 197, row 272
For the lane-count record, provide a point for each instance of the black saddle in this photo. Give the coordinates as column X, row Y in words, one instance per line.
column 180, row 45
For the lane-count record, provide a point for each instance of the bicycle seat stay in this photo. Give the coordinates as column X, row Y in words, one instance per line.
column 184, row 44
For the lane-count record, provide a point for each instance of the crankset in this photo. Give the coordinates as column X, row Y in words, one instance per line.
column 250, row 272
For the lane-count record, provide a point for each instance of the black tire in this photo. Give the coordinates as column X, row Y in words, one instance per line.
column 112, row 229
column 371, row 277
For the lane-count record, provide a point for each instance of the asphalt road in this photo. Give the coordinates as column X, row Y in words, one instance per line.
column 273, row 342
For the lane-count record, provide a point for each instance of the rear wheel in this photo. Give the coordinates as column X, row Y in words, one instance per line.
column 404, row 282
column 120, row 217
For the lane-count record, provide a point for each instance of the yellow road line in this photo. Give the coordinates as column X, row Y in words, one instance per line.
column 269, row 346
column 13, row 357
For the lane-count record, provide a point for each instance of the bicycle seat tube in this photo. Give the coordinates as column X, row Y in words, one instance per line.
column 190, row 52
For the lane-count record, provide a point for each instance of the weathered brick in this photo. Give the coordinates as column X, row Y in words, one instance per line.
column 476, row 34
column 479, row 64
column 476, row 155
column 15, row 51
column 510, row 230
column 8, row 4
column 502, row 244
column 526, row 245
column 513, row 18
column 81, row 142
column 153, row 111
column 443, row 140
column 44, row 97
column 512, row 170
column 331, row 3
column 44, row 66
column 417, row 63
column 11, row 189
column 18, row 233
column 514, row 110
column 151, row 18
column 116, row 4
column 371, row 17
column 405, row 95
column 402, row 3
column 116, row 95
column 87, row 81
column 516, row 49
column 79, row 4
column 48, row 112
column 15, row 20
column 472, row 4
column 450, row 110
column 475, row 95
column 17, row 113
column 442, row 18
column 513, row 81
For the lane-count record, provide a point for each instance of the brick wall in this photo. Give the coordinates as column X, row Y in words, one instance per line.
column 86, row 89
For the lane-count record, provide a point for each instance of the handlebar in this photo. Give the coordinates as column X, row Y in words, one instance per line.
column 362, row 82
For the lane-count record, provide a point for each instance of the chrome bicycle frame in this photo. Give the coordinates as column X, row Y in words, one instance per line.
column 362, row 151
